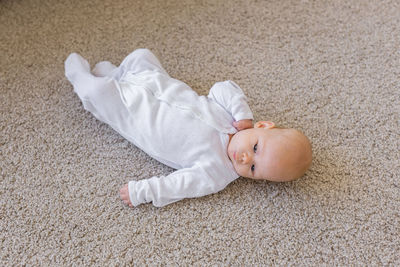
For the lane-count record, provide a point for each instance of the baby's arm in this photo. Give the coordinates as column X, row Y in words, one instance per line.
column 231, row 97
column 184, row 183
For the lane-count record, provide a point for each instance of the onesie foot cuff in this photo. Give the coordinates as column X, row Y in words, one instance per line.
column 75, row 64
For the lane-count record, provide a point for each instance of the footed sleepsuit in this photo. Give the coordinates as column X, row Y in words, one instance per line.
column 165, row 118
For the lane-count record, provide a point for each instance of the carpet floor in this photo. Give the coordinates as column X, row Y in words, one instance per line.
column 328, row 68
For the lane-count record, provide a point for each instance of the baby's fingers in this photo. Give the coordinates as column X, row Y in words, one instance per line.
column 237, row 125
column 126, row 200
column 243, row 124
column 124, row 195
column 123, row 191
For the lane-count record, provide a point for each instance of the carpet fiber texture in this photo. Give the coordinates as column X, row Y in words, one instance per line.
column 328, row 68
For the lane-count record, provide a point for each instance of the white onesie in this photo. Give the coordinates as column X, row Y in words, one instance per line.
column 169, row 121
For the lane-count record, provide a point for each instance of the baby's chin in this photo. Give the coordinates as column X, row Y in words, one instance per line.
column 285, row 175
column 273, row 179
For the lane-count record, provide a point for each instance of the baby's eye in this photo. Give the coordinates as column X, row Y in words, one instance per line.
column 252, row 168
column 255, row 148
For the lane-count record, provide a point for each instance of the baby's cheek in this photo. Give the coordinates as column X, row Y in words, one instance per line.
column 240, row 170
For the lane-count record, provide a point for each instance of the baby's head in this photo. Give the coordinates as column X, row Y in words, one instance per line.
column 269, row 153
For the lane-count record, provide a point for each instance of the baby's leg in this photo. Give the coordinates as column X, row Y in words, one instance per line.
column 104, row 68
column 99, row 95
column 137, row 61
column 77, row 70
column 141, row 60
column 74, row 66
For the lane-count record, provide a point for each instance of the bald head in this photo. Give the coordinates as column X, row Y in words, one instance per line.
column 289, row 155
column 269, row 153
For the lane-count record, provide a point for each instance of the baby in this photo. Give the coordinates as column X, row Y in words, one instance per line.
column 210, row 140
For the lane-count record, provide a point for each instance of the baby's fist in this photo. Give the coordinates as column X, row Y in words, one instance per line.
column 124, row 195
column 243, row 124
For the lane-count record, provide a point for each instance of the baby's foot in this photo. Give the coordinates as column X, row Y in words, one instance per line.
column 75, row 64
column 103, row 68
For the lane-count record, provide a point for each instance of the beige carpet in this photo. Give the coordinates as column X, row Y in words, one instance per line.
column 328, row 68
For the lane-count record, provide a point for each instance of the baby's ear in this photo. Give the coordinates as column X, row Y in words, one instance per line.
column 264, row 124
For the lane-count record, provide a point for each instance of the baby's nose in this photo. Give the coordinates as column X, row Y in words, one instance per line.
column 246, row 158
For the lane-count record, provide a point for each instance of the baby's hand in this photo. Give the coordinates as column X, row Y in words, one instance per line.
column 124, row 195
column 243, row 124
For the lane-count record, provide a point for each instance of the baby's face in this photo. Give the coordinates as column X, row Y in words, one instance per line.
column 272, row 154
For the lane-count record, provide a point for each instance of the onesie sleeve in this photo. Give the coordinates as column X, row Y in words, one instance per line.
column 183, row 183
column 231, row 97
